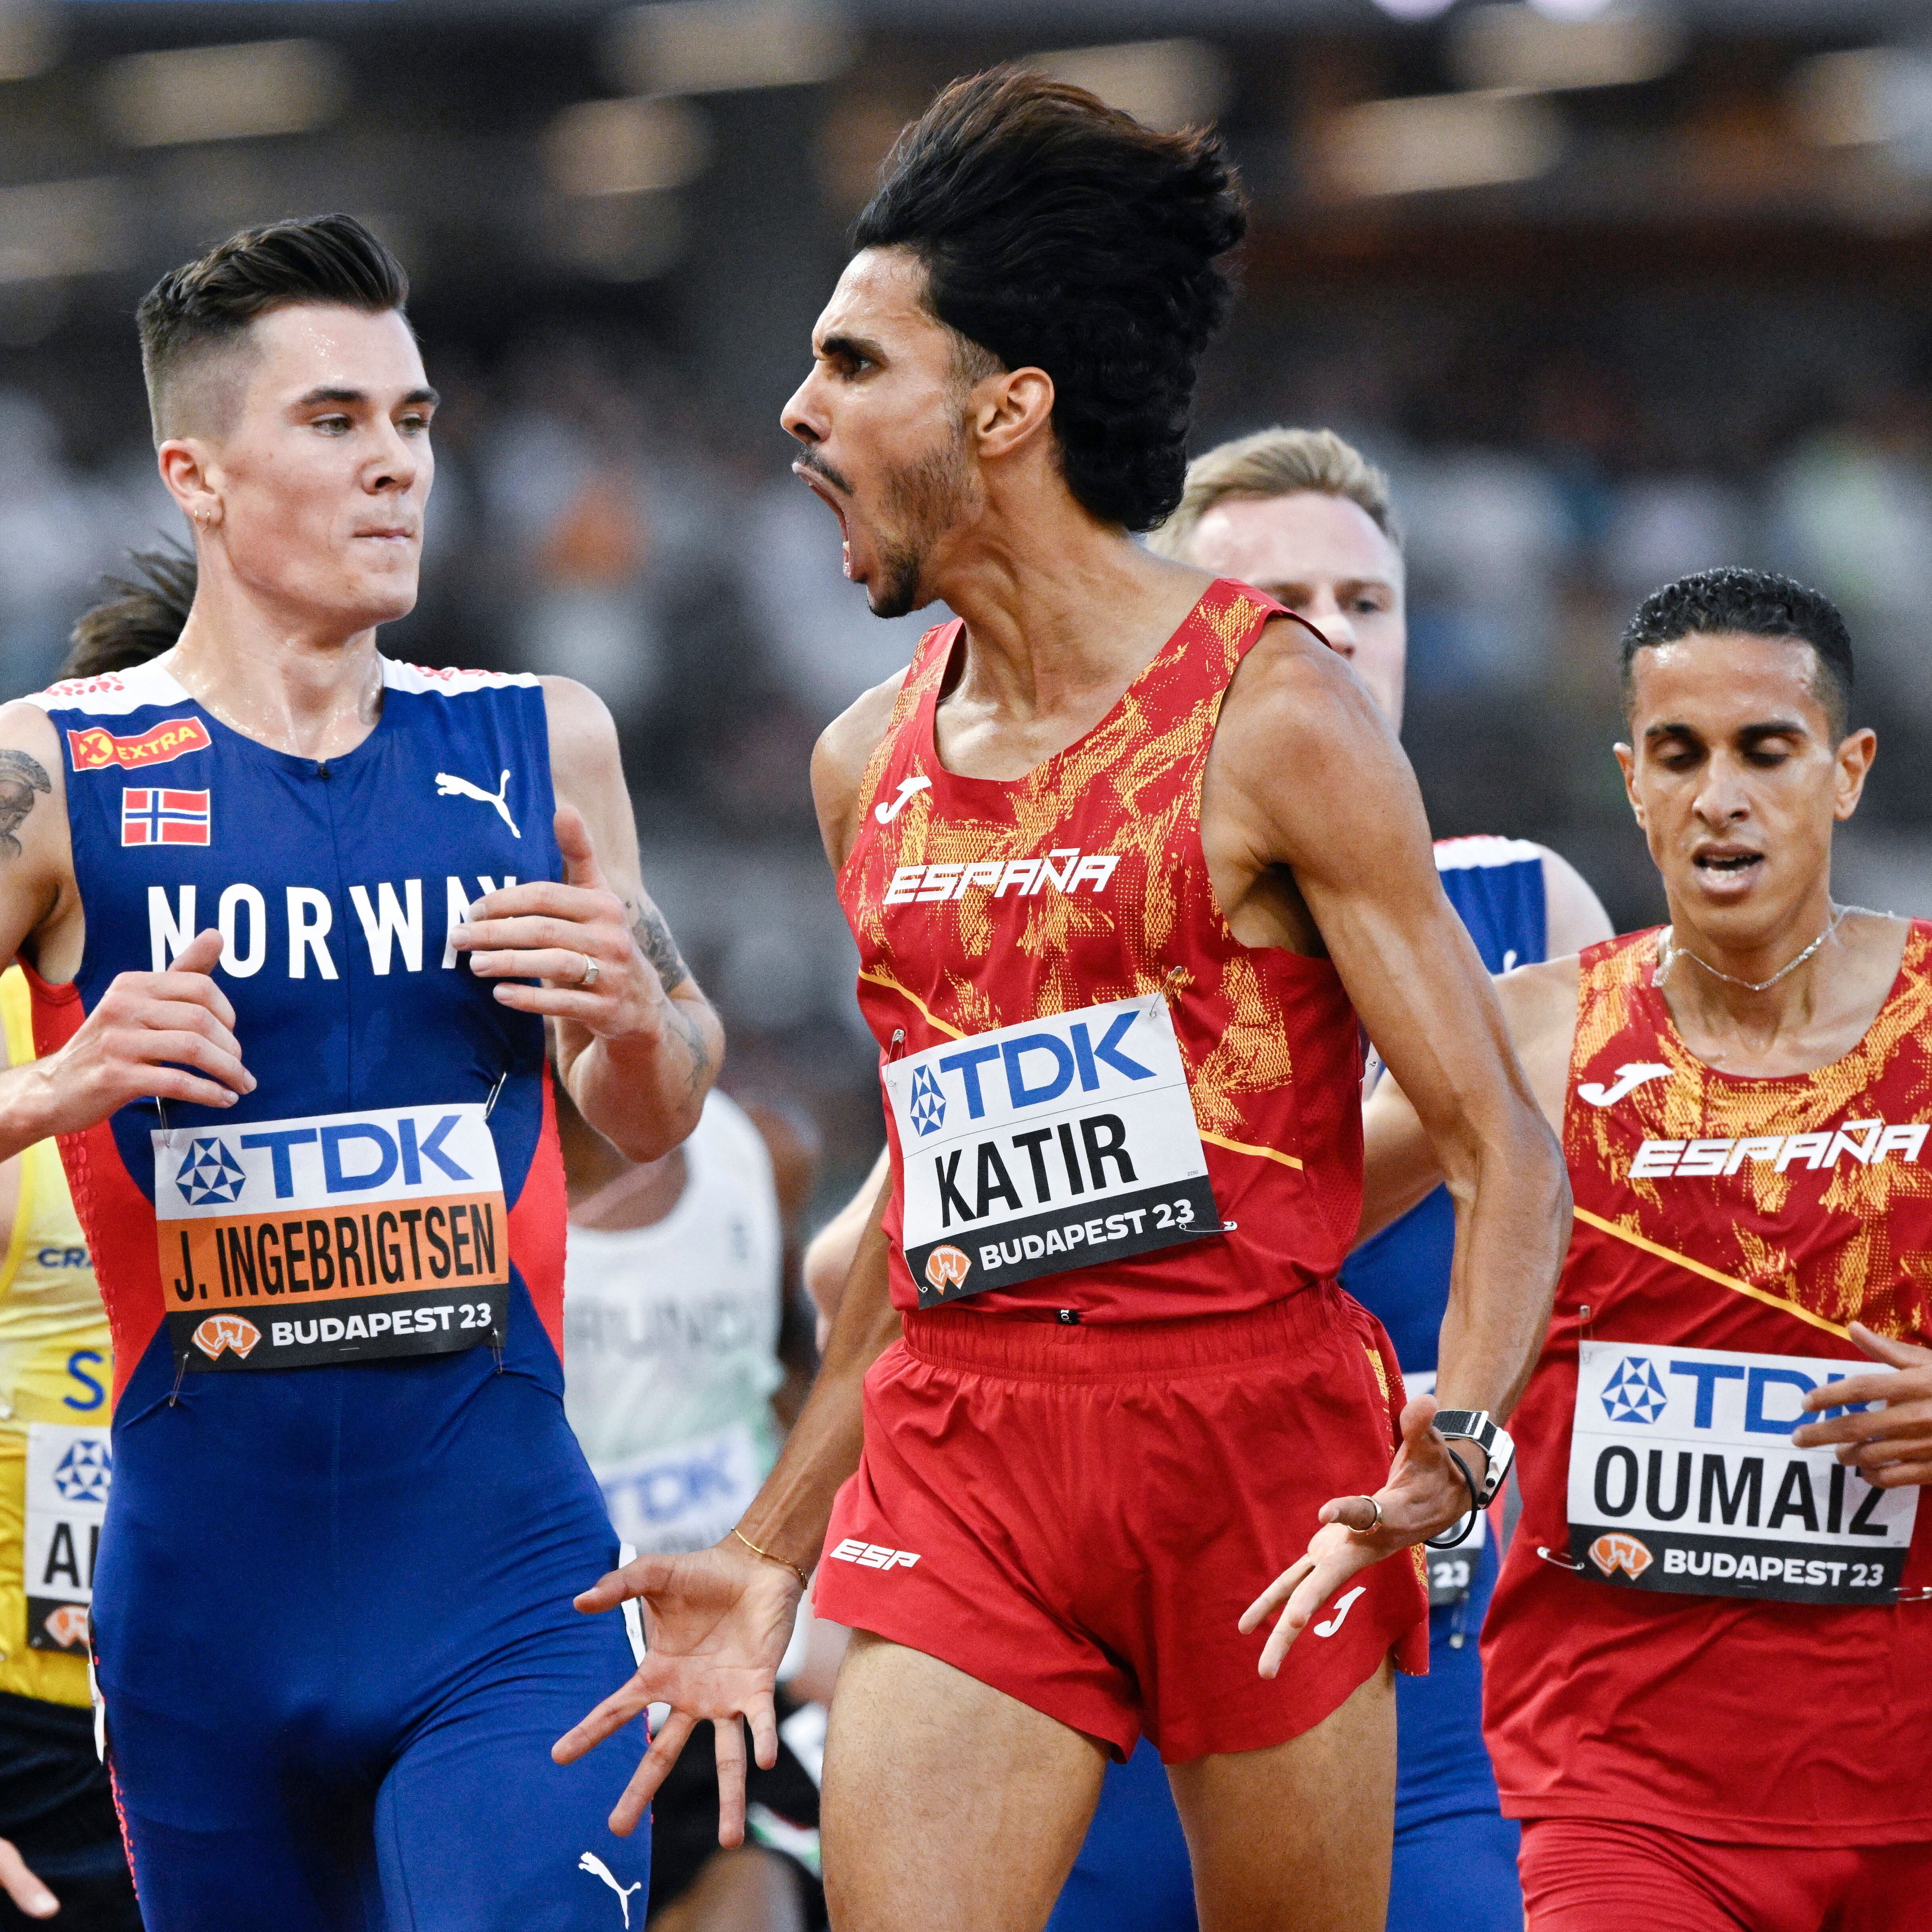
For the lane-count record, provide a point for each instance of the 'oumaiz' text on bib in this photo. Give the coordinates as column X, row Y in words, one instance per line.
column 339, row 1238
column 1683, row 1477
column 1055, row 1144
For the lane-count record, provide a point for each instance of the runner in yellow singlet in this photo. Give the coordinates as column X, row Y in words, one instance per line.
column 58, row 1838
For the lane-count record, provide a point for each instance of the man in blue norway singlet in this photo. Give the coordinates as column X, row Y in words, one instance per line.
column 1300, row 515
column 296, row 918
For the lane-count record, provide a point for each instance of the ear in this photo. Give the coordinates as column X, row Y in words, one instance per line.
column 1855, row 755
column 1009, row 410
column 1627, row 764
column 187, row 468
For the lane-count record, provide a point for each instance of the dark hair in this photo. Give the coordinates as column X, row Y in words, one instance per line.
column 1755, row 604
column 209, row 302
column 1058, row 233
column 142, row 619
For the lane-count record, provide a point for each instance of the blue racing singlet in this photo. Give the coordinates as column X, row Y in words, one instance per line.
column 332, row 1604
column 1402, row 1275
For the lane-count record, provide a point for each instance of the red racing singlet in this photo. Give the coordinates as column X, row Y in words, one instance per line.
column 1698, row 1626
column 980, row 904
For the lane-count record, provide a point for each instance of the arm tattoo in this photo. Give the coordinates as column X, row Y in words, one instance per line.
column 689, row 1031
column 654, row 942
column 20, row 777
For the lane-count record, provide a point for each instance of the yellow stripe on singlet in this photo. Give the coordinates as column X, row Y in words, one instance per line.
column 1243, row 1147
column 1731, row 1282
column 905, row 993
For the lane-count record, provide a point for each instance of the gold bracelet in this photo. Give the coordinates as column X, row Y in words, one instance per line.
column 802, row 1578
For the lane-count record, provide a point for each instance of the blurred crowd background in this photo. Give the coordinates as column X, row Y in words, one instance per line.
column 1615, row 291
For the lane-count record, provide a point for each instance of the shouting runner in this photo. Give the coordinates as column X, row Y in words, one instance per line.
column 1708, row 1680
column 314, row 1154
column 1120, row 848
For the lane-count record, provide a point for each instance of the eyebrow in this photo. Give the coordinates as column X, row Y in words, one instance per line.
column 1749, row 734
column 353, row 397
column 858, row 347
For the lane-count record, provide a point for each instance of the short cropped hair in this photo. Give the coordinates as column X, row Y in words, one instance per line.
column 1277, row 462
column 1754, row 603
column 1058, row 233
column 206, row 305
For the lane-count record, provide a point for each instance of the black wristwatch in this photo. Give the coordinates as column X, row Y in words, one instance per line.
column 1477, row 1426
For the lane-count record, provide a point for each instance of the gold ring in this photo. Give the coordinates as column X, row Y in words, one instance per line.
column 1372, row 1527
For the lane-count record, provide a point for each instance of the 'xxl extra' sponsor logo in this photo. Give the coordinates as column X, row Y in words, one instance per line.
column 1870, row 1143
column 1066, row 869
column 95, row 749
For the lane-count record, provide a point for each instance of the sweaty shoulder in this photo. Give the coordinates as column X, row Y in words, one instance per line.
column 839, row 759
column 1293, row 700
column 1539, row 1005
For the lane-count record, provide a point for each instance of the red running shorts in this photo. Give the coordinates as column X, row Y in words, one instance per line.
column 1609, row 1875
column 1078, row 1514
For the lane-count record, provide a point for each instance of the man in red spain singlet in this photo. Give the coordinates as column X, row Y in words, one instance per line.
column 1708, row 1664
column 1125, row 850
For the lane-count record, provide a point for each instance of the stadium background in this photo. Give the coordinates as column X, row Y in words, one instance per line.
column 1616, row 291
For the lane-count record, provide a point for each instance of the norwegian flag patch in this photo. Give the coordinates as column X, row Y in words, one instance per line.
column 151, row 816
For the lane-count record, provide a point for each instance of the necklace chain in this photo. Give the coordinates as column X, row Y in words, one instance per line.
column 1672, row 953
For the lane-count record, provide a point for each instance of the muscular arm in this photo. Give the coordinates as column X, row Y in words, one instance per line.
column 167, row 1033
column 639, row 1047
column 1306, row 779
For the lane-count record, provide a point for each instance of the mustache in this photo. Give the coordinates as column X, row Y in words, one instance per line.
column 812, row 461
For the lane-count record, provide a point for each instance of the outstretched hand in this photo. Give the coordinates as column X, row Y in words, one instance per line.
column 716, row 1624
column 1424, row 1495
column 1891, row 1443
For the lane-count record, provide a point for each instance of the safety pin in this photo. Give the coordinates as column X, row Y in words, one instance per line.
column 1562, row 1562
column 496, row 1093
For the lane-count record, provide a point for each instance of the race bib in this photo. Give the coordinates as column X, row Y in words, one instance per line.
column 684, row 1497
column 1683, row 1477
column 343, row 1238
column 1452, row 1573
column 1056, row 1144
column 69, row 1471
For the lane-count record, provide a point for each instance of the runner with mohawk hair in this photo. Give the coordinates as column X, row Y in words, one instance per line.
column 1125, row 850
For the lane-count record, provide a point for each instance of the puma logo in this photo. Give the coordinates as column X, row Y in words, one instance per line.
column 1629, row 1079
column 908, row 789
column 590, row 1862
column 447, row 787
column 1343, row 1605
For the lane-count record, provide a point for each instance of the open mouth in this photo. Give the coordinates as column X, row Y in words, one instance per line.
column 1727, row 865
column 823, row 492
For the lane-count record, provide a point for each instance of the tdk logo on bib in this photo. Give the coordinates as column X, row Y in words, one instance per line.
column 1054, row 1145
column 208, row 1172
column 1634, row 1393
column 927, row 1111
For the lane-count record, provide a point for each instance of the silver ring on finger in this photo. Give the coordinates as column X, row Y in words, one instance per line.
column 591, row 970
column 1372, row 1527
